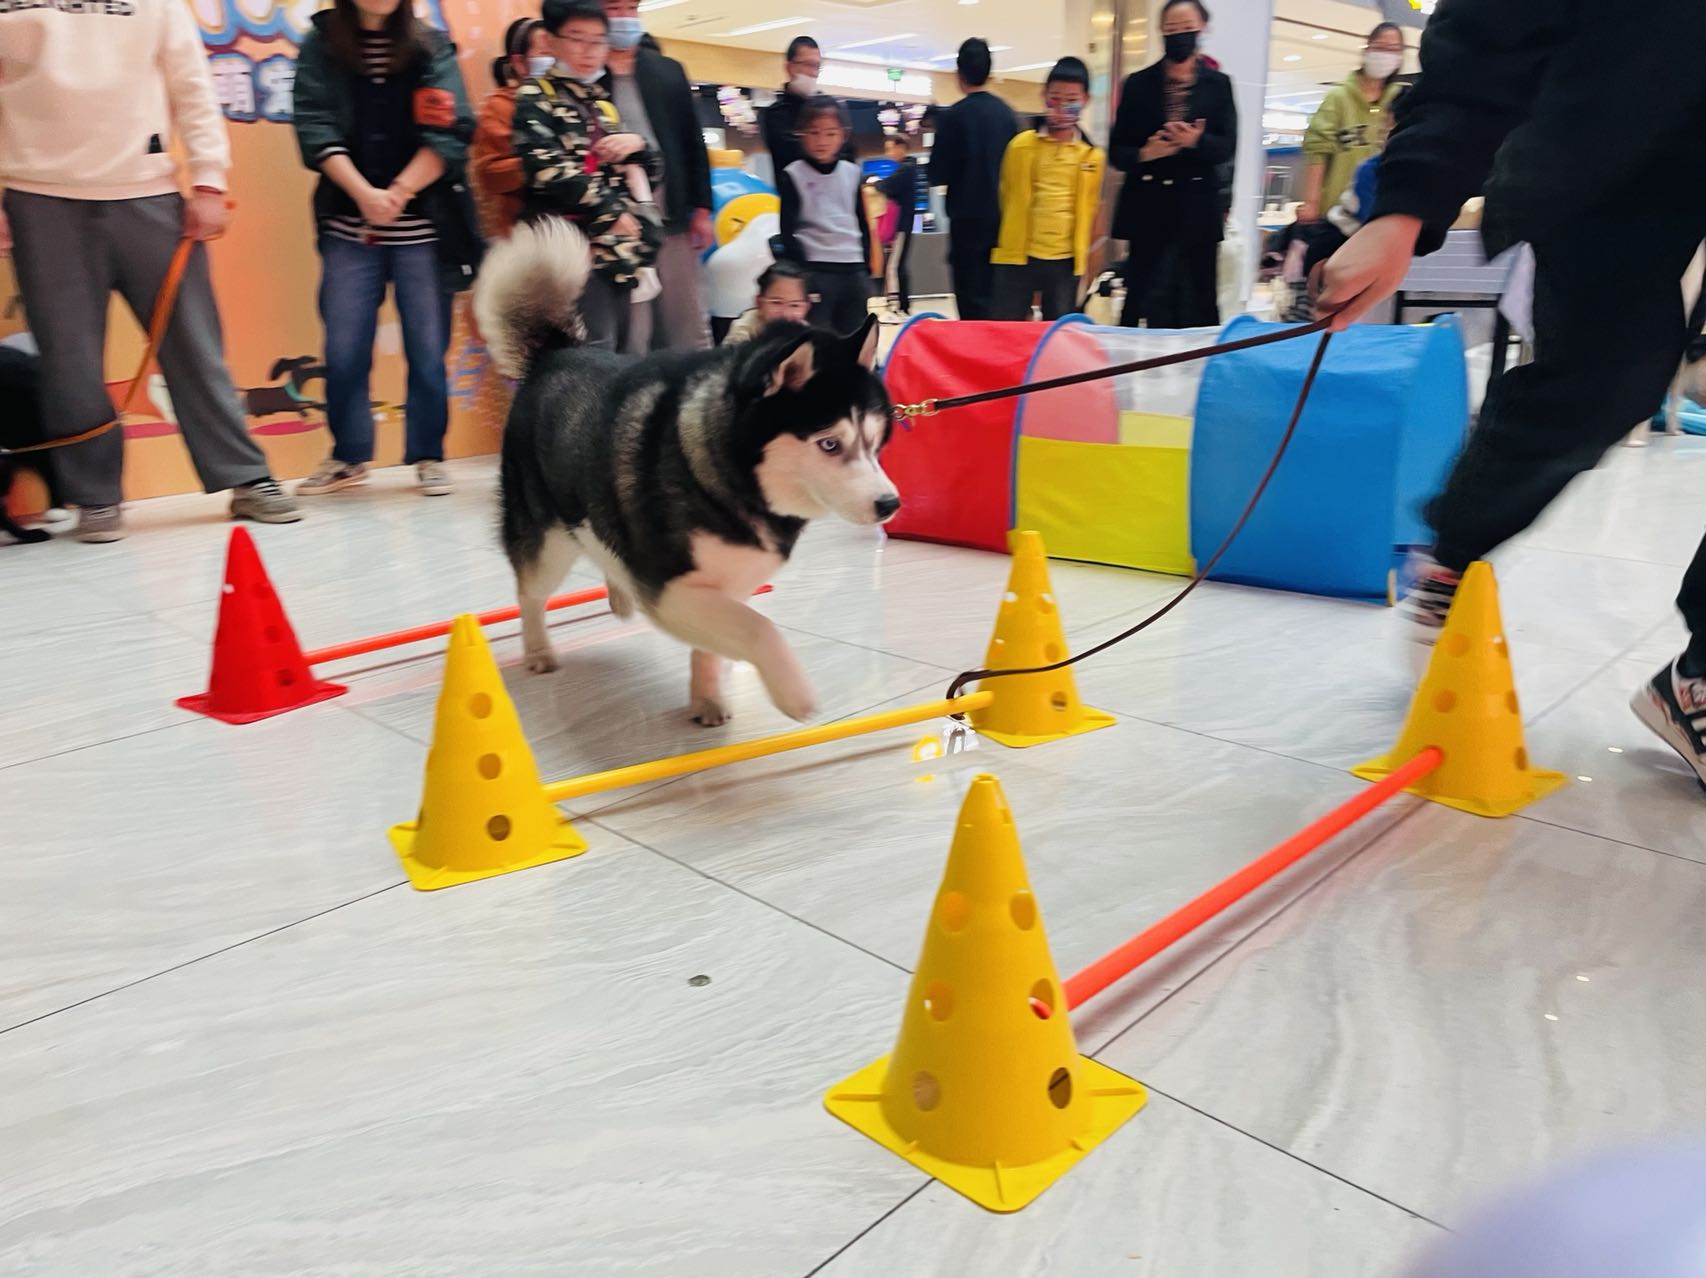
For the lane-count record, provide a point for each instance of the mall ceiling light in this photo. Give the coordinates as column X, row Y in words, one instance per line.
column 775, row 24
column 1029, row 66
column 866, row 44
column 1319, row 35
column 1292, row 57
column 652, row 6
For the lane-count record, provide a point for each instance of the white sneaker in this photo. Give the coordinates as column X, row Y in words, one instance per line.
column 433, row 479
column 331, row 475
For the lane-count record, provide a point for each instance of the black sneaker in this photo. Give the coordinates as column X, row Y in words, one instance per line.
column 1674, row 707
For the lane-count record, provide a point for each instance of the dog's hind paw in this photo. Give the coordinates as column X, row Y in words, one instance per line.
column 708, row 713
column 542, row 662
column 620, row 602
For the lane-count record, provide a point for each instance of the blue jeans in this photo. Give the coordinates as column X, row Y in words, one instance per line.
column 352, row 286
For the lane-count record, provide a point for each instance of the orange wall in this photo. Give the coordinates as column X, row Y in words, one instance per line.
column 266, row 270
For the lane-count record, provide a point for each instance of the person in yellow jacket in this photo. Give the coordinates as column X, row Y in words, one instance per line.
column 1051, row 183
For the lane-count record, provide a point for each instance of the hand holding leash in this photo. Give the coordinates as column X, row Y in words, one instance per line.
column 1367, row 270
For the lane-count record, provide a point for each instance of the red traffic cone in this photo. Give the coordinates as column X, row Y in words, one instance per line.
column 258, row 670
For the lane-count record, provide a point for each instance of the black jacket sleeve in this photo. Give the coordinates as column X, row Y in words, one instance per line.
column 1482, row 61
column 1128, row 136
column 779, row 139
column 696, row 164
column 790, row 216
column 947, row 153
column 864, row 223
column 1219, row 141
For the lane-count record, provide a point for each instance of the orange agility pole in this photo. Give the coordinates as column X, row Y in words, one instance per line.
column 1187, row 918
column 397, row 638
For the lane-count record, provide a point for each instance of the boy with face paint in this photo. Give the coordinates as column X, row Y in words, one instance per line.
column 1051, row 183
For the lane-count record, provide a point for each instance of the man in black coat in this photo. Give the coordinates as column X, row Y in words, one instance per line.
column 779, row 123
column 654, row 99
column 1587, row 127
column 1175, row 131
column 971, row 138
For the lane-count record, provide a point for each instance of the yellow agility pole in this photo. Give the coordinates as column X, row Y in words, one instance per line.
column 720, row 756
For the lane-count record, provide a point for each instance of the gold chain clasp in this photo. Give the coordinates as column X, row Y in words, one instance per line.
column 905, row 412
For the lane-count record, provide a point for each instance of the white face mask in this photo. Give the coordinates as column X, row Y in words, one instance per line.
column 540, row 64
column 804, row 85
column 1378, row 64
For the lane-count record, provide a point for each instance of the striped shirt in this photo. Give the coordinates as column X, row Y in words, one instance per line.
column 407, row 228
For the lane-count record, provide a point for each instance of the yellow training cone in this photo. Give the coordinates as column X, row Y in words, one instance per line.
column 985, row 1089
column 1031, row 709
column 483, row 810
column 1467, row 707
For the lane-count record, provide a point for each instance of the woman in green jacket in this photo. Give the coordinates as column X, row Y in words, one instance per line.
column 1349, row 125
column 381, row 115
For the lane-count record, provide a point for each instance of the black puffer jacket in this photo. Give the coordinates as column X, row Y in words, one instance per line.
column 1553, row 108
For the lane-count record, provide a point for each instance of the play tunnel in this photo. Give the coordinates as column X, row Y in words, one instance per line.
column 1151, row 470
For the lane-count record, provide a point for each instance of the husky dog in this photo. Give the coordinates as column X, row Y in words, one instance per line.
column 687, row 478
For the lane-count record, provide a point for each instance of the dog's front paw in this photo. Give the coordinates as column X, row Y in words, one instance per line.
column 797, row 700
column 709, row 713
column 542, row 662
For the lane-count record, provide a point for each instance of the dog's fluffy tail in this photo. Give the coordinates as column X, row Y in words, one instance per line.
column 526, row 299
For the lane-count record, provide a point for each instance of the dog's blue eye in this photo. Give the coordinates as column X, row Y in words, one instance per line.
column 830, row 445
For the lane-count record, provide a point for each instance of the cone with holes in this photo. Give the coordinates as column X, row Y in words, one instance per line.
column 1031, row 709
column 1467, row 707
column 258, row 670
column 985, row 1089
column 483, row 809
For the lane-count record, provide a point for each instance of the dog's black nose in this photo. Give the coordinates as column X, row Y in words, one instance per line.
column 886, row 506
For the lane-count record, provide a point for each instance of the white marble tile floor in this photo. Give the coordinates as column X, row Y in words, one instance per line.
column 234, row 1041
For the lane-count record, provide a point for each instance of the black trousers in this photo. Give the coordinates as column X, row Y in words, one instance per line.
column 842, row 298
column 1055, row 282
column 897, row 271
column 1608, row 335
column 1171, row 284
column 969, row 247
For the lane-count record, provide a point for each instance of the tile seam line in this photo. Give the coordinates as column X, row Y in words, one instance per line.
column 1298, row 1158
column 748, row 895
column 860, row 1236
column 1259, row 927
column 202, row 958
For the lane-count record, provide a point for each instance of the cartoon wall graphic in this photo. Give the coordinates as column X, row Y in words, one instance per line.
column 266, row 270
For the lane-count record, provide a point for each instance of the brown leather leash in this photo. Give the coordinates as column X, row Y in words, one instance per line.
column 904, row 413
column 158, row 322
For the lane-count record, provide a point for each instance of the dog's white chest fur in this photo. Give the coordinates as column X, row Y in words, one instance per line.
column 732, row 570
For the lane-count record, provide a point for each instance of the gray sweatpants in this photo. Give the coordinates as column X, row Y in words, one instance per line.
column 69, row 256
column 679, row 311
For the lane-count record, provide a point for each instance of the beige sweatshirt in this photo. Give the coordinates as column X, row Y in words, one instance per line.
column 93, row 92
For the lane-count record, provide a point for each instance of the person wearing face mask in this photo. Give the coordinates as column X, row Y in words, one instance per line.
column 1348, row 127
column 494, row 169
column 780, row 122
column 1051, row 185
column 1176, row 126
column 580, row 163
column 654, row 100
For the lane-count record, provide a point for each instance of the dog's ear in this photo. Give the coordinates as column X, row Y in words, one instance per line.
column 796, row 365
column 862, row 346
